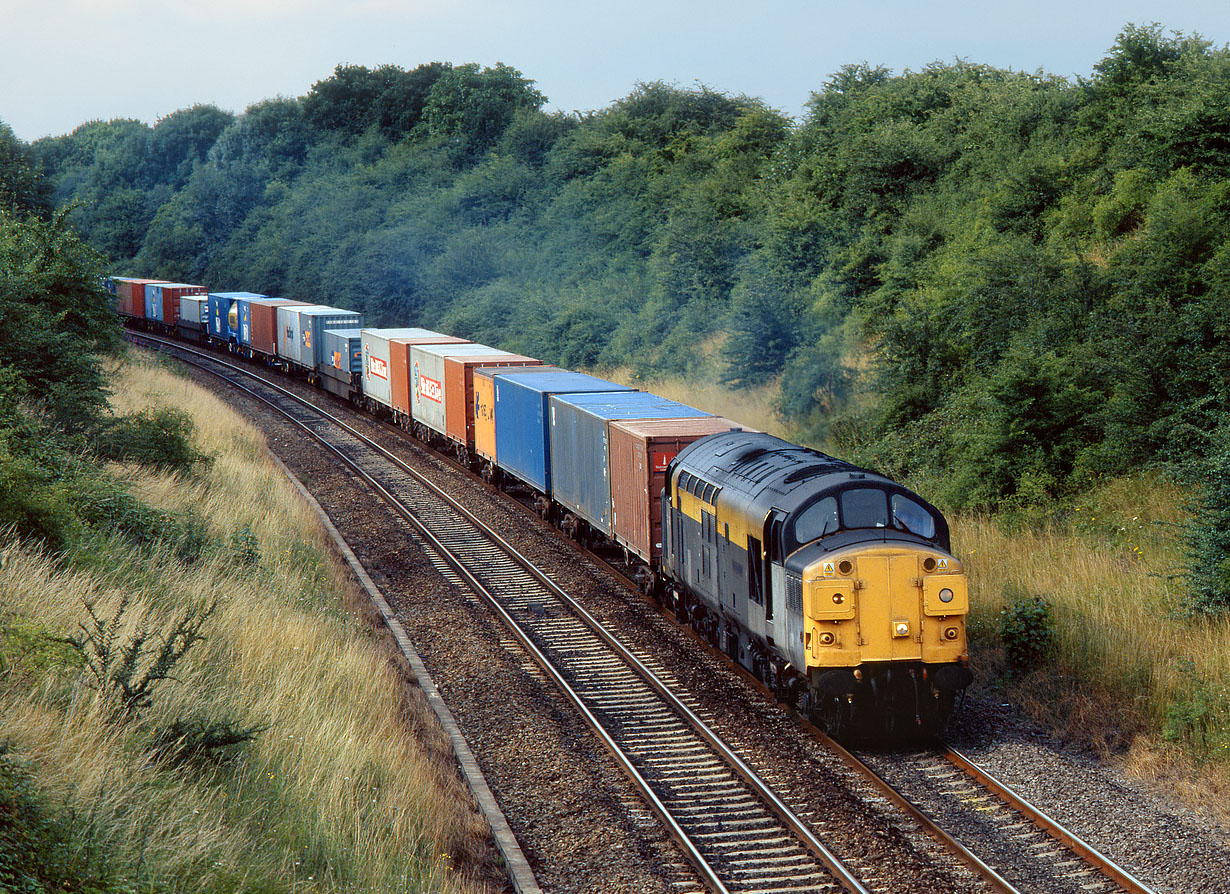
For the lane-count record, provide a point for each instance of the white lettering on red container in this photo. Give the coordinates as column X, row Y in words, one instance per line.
column 378, row 368
column 431, row 389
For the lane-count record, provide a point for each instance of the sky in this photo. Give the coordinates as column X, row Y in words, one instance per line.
column 66, row 62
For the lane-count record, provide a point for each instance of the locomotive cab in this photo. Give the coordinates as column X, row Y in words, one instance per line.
column 879, row 607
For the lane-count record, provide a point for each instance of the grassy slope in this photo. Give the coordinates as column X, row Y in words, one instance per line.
column 334, row 793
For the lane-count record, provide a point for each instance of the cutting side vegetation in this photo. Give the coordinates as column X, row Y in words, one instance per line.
column 187, row 699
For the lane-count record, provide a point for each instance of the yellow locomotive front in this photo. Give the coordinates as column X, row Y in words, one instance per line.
column 833, row 584
column 884, row 636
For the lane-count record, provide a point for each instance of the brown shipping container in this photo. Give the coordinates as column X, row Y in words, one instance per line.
column 640, row 451
column 264, row 317
column 399, row 366
column 132, row 297
column 170, row 300
column 458, row 380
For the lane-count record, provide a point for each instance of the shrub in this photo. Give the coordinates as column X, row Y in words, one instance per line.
column 245, row 549
column 1192, row 717
column 1207, row 537
column 200, row 740
column 1027, row 630
column 160, row 438
column 126, row 662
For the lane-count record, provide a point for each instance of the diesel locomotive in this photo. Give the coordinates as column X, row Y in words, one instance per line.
column 834, row 585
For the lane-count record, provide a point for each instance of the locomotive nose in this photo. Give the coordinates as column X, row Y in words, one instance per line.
column 888, row 606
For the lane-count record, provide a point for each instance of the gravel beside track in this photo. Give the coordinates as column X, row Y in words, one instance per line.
column 1171, row 848
column 575, row 815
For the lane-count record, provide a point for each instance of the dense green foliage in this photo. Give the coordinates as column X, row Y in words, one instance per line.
column 997, row 283
column 59, row 324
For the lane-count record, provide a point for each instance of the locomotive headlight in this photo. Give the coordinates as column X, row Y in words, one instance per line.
column 951, row 633
column 838, row 599
column 901, row 628
column 945, row 595
column 826, row 638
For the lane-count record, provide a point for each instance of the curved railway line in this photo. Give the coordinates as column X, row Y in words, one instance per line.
column 738, row 833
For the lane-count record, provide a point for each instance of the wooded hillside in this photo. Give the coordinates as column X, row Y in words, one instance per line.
column 999, row 284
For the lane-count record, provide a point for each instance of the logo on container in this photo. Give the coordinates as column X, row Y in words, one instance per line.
column 430, row 389
column 377, row 367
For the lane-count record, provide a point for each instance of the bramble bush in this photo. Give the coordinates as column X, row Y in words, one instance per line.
column 1027, row 630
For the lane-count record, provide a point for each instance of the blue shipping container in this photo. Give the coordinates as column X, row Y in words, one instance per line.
column 522, row 433
column 223, row 309
column 343, row 353
column 580, row 454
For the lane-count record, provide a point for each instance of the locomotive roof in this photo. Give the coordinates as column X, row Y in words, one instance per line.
column 755, row 463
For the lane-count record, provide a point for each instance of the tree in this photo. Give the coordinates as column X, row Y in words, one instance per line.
column 472, row 107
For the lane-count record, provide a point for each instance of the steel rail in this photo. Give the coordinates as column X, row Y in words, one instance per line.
column 928, row 825
column 1068, row 839
column 831, row 862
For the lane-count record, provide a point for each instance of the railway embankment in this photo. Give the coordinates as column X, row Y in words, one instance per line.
column 201, row 708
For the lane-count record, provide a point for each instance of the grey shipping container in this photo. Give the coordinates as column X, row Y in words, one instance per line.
column 580, row 458
column 378, row 366
column 301, row 329
column 192, row 309
column 427, row 394
column 343, row 354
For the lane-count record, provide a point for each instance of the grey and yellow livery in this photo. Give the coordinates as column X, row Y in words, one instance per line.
column 833, row 584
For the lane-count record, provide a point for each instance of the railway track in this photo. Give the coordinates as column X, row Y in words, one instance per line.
column 734, row 829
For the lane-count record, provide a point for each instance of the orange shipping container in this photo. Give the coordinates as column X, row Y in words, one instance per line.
column 484, row 407
column 399, row 366
column 264, row 315
column 459, row 380
column 640, row 451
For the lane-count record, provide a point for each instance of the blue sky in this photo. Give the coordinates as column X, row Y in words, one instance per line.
column 69, row 61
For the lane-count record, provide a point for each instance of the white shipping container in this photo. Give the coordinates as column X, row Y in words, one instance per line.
column 377, row 368
column 427, row 392
column 192, row 308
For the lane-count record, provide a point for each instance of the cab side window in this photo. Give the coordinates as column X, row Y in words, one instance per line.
column 910, row 516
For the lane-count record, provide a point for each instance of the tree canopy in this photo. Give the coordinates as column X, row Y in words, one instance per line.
column 1004, row 283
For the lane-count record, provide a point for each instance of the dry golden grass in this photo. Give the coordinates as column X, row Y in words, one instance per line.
column 335, row 792
column 752, row 407
column 1128, row 662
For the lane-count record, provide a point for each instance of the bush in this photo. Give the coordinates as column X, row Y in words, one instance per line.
column 37, row 850
column 200, row 741
column 1027, row 630
column 1207, row 537
column 126, row 664
column 160, row 439
column 1193, row 717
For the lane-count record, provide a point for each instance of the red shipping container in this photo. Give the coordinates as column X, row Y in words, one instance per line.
column 640, row 451
column 264, row 317
column 399, row 366
column 170, row 300
column 132, row 296
column 459, row 380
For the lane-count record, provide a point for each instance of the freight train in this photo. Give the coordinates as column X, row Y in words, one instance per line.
column 832, row 584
